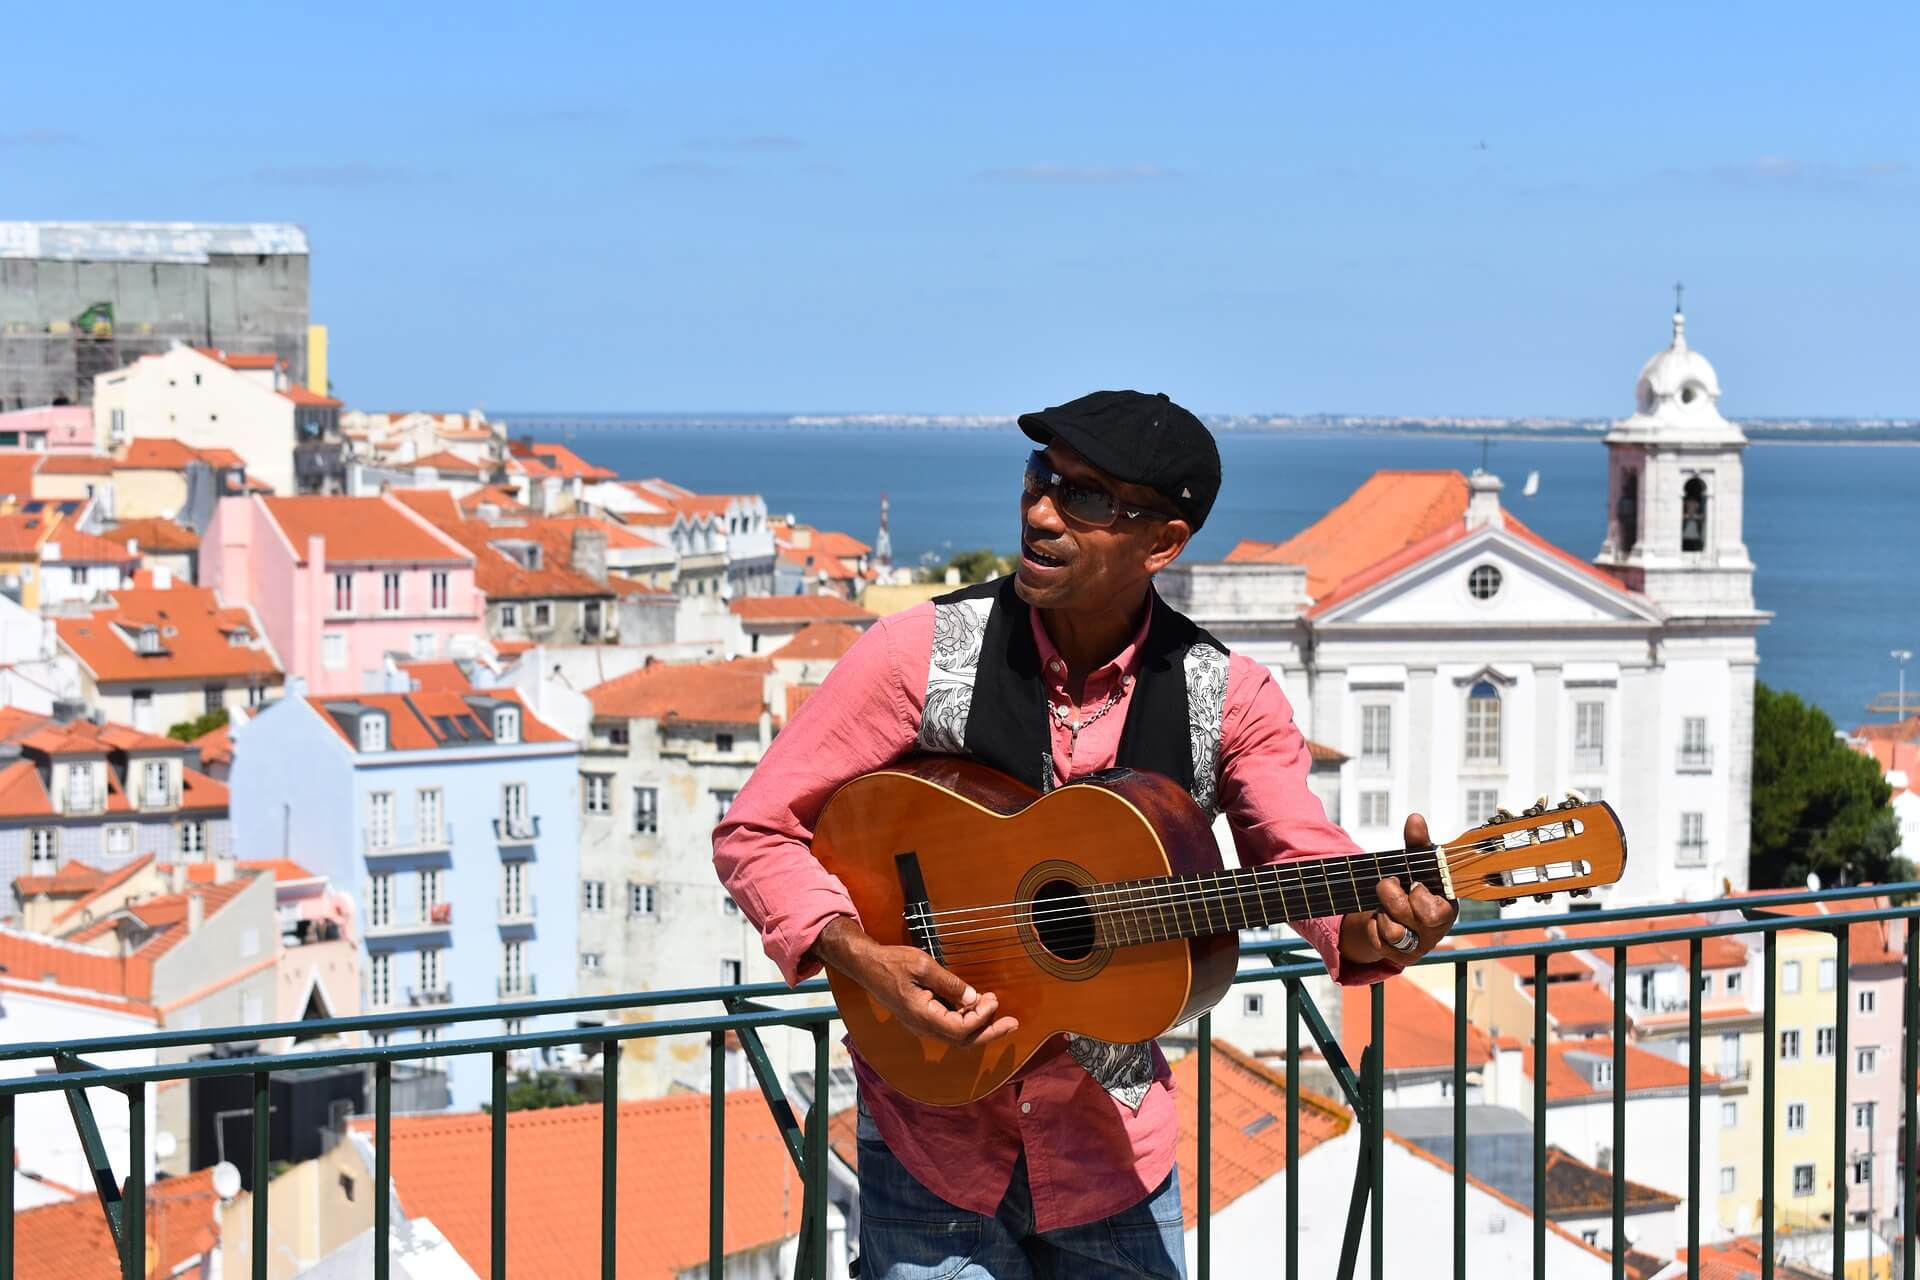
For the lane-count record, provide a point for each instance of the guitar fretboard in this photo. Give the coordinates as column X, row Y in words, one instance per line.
column 1136, row 911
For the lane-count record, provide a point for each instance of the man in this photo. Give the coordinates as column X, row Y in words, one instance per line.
column 1072, row 665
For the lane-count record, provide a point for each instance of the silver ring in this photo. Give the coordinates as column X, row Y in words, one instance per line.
column 1409, row 941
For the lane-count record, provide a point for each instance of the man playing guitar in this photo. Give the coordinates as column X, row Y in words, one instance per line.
column 1072, row 665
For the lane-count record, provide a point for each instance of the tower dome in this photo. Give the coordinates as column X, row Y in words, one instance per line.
column 1677, row 382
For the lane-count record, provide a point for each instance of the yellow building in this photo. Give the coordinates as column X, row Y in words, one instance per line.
column 1804, row 989
column 23, row 532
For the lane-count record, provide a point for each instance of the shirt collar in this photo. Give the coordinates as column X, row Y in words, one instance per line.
column 1123, row 662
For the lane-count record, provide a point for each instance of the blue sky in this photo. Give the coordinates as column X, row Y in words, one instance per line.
column 880, row 207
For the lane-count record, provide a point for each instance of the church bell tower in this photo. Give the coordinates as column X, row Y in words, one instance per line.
column 1675, row 490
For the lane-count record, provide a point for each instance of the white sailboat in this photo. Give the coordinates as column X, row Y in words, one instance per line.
column 1532, row 486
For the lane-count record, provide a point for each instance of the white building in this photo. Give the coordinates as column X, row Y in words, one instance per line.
column 1464, row 662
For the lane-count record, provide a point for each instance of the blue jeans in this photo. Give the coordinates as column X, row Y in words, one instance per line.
column 908, row 1233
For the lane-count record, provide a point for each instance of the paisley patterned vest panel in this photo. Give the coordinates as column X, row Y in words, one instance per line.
column 986, row 699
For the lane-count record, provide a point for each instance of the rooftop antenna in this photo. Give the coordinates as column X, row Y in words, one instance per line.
column 1486, row 443
column 1679, row 290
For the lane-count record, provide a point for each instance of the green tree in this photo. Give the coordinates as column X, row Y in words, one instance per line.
column 188, row 730
column 980, row 564
column 544, row 1089
column 1818, row 805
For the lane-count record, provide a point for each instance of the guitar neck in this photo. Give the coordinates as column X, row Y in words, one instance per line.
column 1226, row 901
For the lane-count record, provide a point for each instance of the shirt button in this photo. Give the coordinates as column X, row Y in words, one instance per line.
column 1055, row 665
column 1026, row 1108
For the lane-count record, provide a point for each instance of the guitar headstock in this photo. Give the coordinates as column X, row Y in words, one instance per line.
column 1568, row 849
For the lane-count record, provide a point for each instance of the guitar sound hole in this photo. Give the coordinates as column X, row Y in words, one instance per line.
column 1062, row 920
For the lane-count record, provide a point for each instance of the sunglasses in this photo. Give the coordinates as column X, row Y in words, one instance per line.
column 1084, row 504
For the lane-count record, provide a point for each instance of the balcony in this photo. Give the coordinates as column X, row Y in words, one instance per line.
column 516, row 987
column 1690, row 853
column 1356, row 1097
column 518, row 831
column 375, row 844
column 1695, row 760
column 438, row 920
column 427, row 997
column 516, row 911
column 1589, row 759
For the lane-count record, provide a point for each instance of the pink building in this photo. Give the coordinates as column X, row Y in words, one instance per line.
column 54, row 428
column 1876, row 958
column 341, row 583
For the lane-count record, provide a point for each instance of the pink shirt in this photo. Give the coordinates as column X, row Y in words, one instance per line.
column 1088, row 1154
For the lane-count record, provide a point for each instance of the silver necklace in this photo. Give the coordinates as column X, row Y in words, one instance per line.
column 1074, row 727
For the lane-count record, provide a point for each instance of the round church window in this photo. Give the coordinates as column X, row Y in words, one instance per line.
column 1484, row 582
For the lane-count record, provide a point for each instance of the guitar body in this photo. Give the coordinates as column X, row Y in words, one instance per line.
column 980, row 841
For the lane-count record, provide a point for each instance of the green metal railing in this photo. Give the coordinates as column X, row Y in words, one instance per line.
column 745, row 1011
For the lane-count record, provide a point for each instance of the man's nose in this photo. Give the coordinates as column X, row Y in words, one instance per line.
column 1041, row 514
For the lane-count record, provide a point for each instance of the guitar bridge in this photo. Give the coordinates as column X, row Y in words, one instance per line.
column 918, row 911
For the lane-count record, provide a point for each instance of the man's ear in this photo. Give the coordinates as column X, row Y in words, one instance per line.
column 1170, row 538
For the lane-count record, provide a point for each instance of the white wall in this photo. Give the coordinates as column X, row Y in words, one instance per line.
column 45, row 1137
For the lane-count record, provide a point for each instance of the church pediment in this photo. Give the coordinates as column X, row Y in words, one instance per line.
column 1497, row 578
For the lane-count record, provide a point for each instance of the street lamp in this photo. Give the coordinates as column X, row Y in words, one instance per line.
column 1901, row 656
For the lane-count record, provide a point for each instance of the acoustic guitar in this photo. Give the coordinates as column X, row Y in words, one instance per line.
column 1103, row 908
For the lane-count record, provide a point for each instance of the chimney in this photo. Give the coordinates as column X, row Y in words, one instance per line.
column 162, row 578
column 196, row 912
column 223, row 870
column 590, row 552
column 1483, row 501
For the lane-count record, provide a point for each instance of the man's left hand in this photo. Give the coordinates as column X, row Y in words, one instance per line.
column 1368, row 937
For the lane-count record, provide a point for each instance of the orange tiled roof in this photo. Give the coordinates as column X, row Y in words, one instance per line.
column 1577, row 1189
column 84, row 548
column 194, row 644
column 1249, row 1125
column 1578, row 1004
column 495, row 571
column 701, row 692
column 216, row 745
column 300, row 395
column 17, row 467
column 1321, row 753
column 797, row 695
column 241, row 359
column 540, row 458
column 1645, row 1070
column 21, row 534
column 414, row 720
column 1419, row 1029
column 358, row 530
column 157, row 533
column 751, row 609
column 70, row 1240
column 76, row 464
column 279, row 868
column 158, row 453
column 1421, row 1153
column 30, row 957
column 495, row 495
column 446, row 461
column 1394, row 520
column 438, row 677
column 113, row 880
column 440, row 1171
column 1715, row 953
column 73, row 877
column 819, row 640
column 1907, row 730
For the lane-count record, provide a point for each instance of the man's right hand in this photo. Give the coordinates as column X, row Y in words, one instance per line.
column 930, row 1001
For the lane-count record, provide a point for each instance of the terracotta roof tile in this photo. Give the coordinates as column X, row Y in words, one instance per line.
column 22, row 534
column 1575, row 1189
column 1577, row 1004
column 76, row 464
column 359, row 530
column 158, row 453
column 1421, row 1153
column 29, row 957
column 76, row 547
column 494, row 495
column 242, row 359
column 157, row 533
column 70, row 1240
column 1390, row 511
column 778, row 609
column 700, row 692
column 114, row 879
column 1419, row 1028
column 1715, row 953
column 542, row 458
column 73, row 877
column 1567, row 1080
column 17, row 468
column 438, row 677
column 440, row 1171
column 415, row 720
column 451, row 462
column 1249, row 1125
column 1321, row 753
column 216, row 745
column 193, row 629
column 302, row 396
column 819, row 640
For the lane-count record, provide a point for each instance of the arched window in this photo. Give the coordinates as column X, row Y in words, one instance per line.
column 1483, row 724
column 1693, row 515
column 1628, row 510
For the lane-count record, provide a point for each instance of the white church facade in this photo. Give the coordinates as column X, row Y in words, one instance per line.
column 1462, row 662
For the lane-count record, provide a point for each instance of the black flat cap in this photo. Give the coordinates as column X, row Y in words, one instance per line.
column 1141, row 439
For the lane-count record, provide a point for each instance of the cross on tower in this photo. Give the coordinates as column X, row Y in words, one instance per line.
column 1678, row 290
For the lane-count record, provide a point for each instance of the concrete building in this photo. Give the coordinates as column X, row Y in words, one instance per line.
column 78, row 299
column 161, row 653
column 211, row 398
column 79, row 568
column 105, row 795
column 670, row 746
column 1465, row 662
column 452, row 816
column 340, row 584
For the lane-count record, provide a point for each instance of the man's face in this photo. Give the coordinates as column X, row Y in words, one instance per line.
column 1066, row 564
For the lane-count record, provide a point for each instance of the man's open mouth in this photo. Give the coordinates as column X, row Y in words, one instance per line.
column 1042, row 559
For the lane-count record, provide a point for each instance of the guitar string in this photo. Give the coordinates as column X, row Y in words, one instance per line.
column 1486, row 842
column 972, row 951
column 1182, row 890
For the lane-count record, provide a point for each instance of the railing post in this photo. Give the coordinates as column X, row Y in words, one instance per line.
column 1540, row 1116
column 1909, row 1132
column 382, row 1165
column 1203, row 1175
column 1693, row 1108
column 262, row 1153
column 1293, row 1127
column 6, row 1188
column 133, row 1219
column 817, row 1153
column 1619, row 1113
column 1842, row 989
column 1769, row 1029
column 1460, row 1119
column 716, row 1157
column 610, row 1158
column 497, row 1167
column 1377, row 1136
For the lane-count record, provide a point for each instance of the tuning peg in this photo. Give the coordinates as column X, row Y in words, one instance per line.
column 1502, row 814
column 1579, row 893
column 1538, row 807
column 1574, row 800
column 1543, row 897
